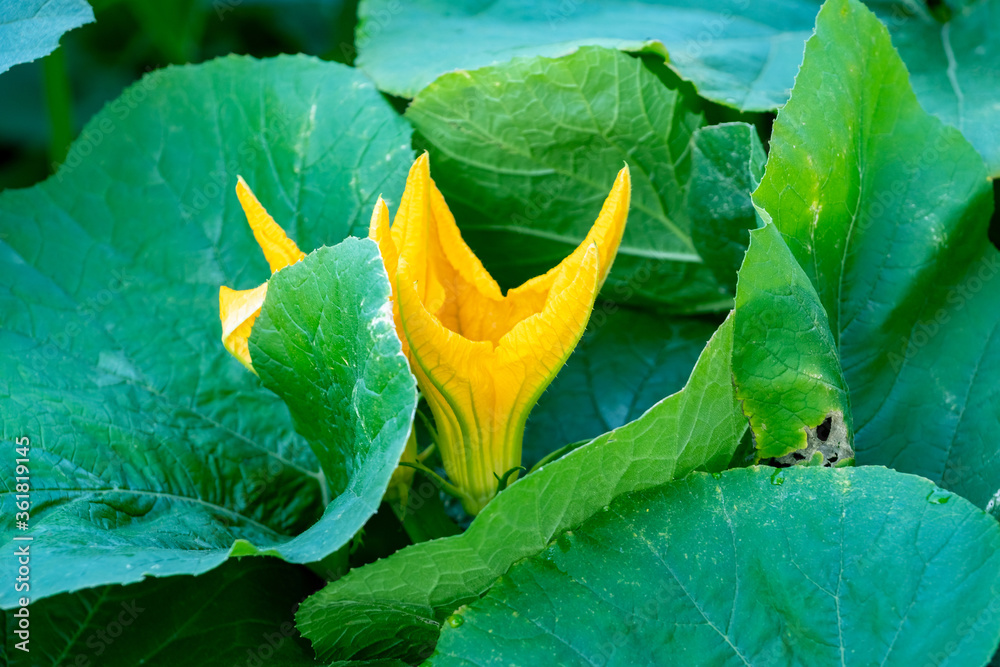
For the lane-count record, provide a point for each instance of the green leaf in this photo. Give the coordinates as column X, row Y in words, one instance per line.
column 886, row 209
column 30, row 29
column 955, row 67
column 526, row 153
column 737, row 53
column 626, row 361
column 393, row 608
column 241, row 611
column 785, row 362
column 153, row 450
column 854, row 567
column 726, row 166
column 326, row 343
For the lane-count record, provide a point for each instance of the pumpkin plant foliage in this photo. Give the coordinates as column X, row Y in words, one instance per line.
column 30, row 29
column 152, row 457
column 544, row 332
column 886, row 210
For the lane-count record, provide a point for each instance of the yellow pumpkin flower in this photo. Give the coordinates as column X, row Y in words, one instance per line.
column 482, row 358
column 238, row 309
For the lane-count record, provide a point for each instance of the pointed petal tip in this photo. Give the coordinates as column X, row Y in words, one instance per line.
column 624, row 178
column 380, row 218
column 279, row 250
column 424, row 160
column 380, row 232
column 421, row 167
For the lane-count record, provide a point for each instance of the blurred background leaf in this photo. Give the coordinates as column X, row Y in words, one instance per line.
column 132, row 37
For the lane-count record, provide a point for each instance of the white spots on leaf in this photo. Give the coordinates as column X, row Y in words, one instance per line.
column 993, row 506
column 384, row 316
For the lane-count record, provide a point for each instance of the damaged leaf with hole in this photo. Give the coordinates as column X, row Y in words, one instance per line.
column 827, row 445
column 785, row 361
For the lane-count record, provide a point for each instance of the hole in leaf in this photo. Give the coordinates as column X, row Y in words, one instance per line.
column 823, row 430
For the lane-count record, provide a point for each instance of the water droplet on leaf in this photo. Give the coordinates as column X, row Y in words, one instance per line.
column 455, row 620
column 938, row 496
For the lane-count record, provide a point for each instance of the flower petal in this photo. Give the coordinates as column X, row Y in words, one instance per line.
column 455, row 377
column 378, row 231
column 482, row 359
column 451, row 281
column 238, row 309
column 279, row 250
column 411, row 227
column 462, row 261
column 540, row 344
column 606, row 233
column 480, row 393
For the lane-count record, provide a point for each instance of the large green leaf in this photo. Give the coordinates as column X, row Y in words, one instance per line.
column 394, row 607
column 886, row 209
column 153, row 450
column 235, row 614
column 726, row 166
column 738, row 53
column 955, row 67
column 526, row 152
column 785, row 362
column 626, row 361
column 828, row 567
column 30, row 29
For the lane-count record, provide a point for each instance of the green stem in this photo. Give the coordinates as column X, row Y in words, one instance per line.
column 59, row 100
column 446, row 486
column 430, row 429
column 559, row 453
column 502, row 481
